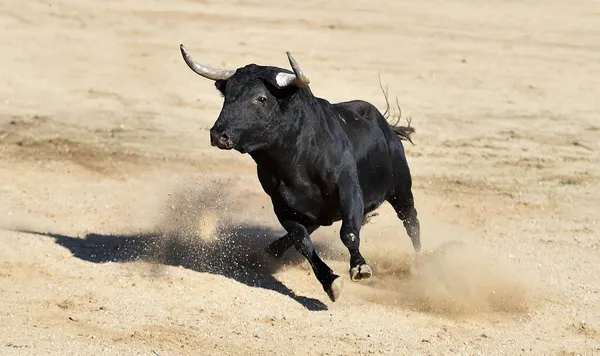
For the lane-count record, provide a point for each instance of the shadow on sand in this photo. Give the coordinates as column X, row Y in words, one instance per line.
column 235, row 254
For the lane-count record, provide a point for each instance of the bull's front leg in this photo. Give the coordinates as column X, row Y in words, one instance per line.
column 352, row 210
column 278, row 247
column 298, row 233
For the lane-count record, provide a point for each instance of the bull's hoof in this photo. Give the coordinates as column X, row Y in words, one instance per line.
column 335, row 289
column 360, row 272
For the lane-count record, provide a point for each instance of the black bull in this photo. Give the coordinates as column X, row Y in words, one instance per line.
column 319, row 162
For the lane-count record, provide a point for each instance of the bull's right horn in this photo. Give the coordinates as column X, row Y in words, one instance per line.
column 302, row 79
column 206, row 72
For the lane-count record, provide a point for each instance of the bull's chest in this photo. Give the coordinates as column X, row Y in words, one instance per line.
column 300, row 197
column 308, row 199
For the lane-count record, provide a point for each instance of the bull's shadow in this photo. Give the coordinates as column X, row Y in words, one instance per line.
column 236, row 254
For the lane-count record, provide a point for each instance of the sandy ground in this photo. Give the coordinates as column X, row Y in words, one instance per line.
column 125, row 233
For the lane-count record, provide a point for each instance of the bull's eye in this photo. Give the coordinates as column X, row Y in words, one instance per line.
column 260, row 100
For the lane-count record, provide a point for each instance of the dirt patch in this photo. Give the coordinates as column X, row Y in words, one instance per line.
column 41, row 139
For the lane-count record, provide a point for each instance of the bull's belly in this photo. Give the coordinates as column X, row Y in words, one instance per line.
column 330, row 214
column 369, row 207
column 310, row 207
column 328, row 219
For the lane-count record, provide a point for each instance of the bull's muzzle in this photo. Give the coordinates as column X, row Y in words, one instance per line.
column 221, row 140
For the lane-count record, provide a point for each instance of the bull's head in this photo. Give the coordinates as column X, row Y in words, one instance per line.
column 255, row 97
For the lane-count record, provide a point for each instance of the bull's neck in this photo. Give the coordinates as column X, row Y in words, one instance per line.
column 297, row 146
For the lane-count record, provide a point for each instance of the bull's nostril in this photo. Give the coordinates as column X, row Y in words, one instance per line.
column 220, row 139
column 225, row 141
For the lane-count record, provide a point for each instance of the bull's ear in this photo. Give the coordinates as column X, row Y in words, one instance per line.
column 278, row 91
column 283, row 80
column 220, row 85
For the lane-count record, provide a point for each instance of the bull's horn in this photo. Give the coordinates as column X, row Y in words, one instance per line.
column 301, row 77
column 206, row 72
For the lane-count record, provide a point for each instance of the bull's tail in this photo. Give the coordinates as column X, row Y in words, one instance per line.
column 404, row 132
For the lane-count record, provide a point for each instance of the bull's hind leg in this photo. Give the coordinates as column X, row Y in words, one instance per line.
column 301, row 239
column 405, row 209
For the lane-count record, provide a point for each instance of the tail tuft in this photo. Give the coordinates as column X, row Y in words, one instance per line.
column 404, row 132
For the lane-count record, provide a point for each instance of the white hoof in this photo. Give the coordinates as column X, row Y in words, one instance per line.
column 360, row 272
column 335, row 289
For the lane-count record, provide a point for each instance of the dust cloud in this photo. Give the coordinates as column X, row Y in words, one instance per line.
column 200, row 229
column 451, row 279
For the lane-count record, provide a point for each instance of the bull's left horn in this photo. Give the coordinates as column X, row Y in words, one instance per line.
column 302, row 79
column 206, row 72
